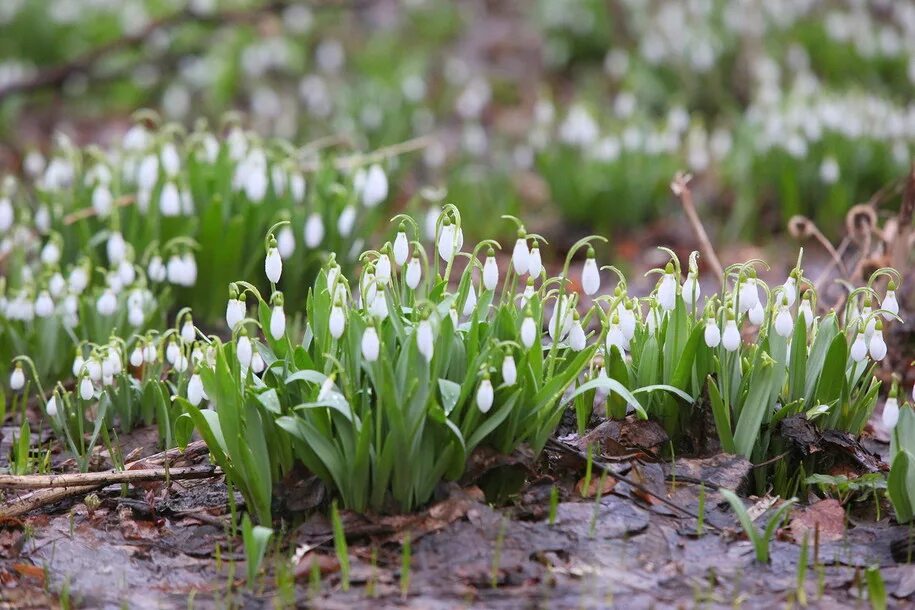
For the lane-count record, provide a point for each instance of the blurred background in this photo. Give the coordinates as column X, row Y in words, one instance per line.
column 573, row 114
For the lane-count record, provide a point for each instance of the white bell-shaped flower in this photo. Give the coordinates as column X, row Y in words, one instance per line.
column 691, row 289
column 446, row 241
column 521, row 256
column 890, row 304
column 244, row 351
column 784, row 324
column 528, row 332
column 615, row 338
column 561, row 320
column 890, row 415
column 425, row 340
column 257, row 363
column 712, row 333
column 877, row 346
column 51, row 406
column 346, row 221
column 383, row 269
column 534, row 262
column 314, row 231
column 414, row 273
column 509, row 370
column 188, row 333
column 401, row 248
column 490, row 273
column 756, row 314
column 171, row 162
column 590, row 275
column 297, row 186
column 107, row 303
column 789, row 290
column 17, row 379
column 627, row 320
column 195, row 391
column 337, row 321
column 748, row 294
column 577, row 339
column 730, row 338
column 370, row 344
column 485, row 395
column 115, row 248
column 375, row 187
column 86, row 391
column 859, row 348
column 277, row 322
column 149, row 354
column 148, row 173
column 235, row 313
column 44, row 305
column 136, row 357
column 170, row 200
column 273, row 265
column 667, row 289
column 805, row 311
column 78, row 364
column 285, row 242
column 470, row 302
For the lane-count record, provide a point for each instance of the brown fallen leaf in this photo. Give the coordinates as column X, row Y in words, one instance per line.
column 27, row 570
column 327, row 564
column 828, row 515
column 594, row 485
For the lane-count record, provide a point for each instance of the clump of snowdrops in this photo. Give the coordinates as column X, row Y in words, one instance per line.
column 900, row 420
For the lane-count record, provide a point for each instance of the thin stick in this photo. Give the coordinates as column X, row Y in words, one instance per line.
column 680, row 187
column 82, row 479
column 387, row 152
column 609, row 471
column 89, row 212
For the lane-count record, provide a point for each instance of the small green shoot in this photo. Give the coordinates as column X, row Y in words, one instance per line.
column 759, row 539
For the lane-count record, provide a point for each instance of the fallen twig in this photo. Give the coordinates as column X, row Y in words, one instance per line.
column 680, row 188
column 82, row 479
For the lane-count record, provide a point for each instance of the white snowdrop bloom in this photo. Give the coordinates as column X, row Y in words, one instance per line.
column 804, row 310
column 877, row 346
column 616, row 339
column 691, row 289
column 337, row 322
column 375, row 187
column 171, row 162
column 368, row 287
column 114, row 282
column 577, row 338
column 189, row 269
column 50, row 253
column 255, row 183
column 156, row 269
column 485, row 395
column 520, row 256
column 470, row 302
column 106, row 303
column 126, row 272
column 890, row 415
column 285, row 242
column 175, row 270
column 297, row 186
column 149, row 353
column 627, row 321
column 509, row 371
column 33, row 164
column 730, row 339
column 829, row 170
column 579, row 127
column 78, row 363
column 784, row 324
column 195, row 391
column 748, row 295
column 561, row 319
column 430, row 223
column 890, row 303
column 257, row 363
column 859, row 348
column 86, row 391
column 188, row 333
column 116, row 248
column 44, row 306
column 71, row 306
column 712, row 333
column 370, row 344
column 148, row 173
column 172, row 351
column 102, row 200
column 57, row 284
column 414, row 273
column 528, row 332
column 136, row 357
column 490, row 273
column 94, row 369
column 378, row 306
column 446, row 241
column 333, row 273
column 235, row 313
column 425, row 339
column 17, row 379
column 383, row 269
column 135, row 316
column 534, row 263
column 278, row 179
column 278, row 322
column 789, row 290
column 590, row 276
column 244, row 351
column 273, row 265
column 314, row 231
column 43, row 220
column 137, row 138
column 170, row 200
column 667, row 291
column 51, row 407
column 6, row 214
column 107, row 369
column 401, row 248
column 757, row 314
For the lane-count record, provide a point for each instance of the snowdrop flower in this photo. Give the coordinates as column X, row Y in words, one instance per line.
column 102, row 201
column 757, row 314
column 172, row 352
column 590, row 274
column 17, row 378
column 297, row 187
column 149, row 353
column 424, row 339
column 171, row 162
column 126, row 272
column 285, row 242
column 187, row 331
column 135, row 316
column 107, row 303
column 805, row 310
column 485, row 394
column 50, row 253
column 375, row 187
column 789, row 290
column 561, row 320
column 577, row 338
column 370, row 344
column 86, row 391
column 446, row 240
column 691, row 289
column 189, row 269
column 534, row 263
column 6, row 214
column 379, row 304
column 712, row 333
column 156, row 269
column 148, row 173
column 337, row 321
column 78, row 364
column 490, row 271
column 195, row 391
column 748, row 293
column 627, row 320
column 235, row 312
column 652, row 319
column 859, row 347
column 401, row 247
column 730, row 339
column 784, row 324
column 136, row 357
column 244, row 351
column 891, row 412
column 890, row 303
column 170, row 200
column 667, row 289
column 346, row 221
column 877, row 346
column 333, row 274
column 277, row 322
column 116, row 248
column 470, row 302
column 44, row 306
column 383, row 268
column 257, row 363
column 314, row 231
column 509, row 371
column 273, row 263
column 528, row 331
column 255, row 182
column 94, row 369
column 521, row 255
column 51, row 406
column 527, row 294
column 414, row 272
column 615, row 337
column 136, row 139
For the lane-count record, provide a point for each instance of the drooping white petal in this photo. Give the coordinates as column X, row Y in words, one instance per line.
column 730, row 339
column 509, row 371
column 712, row 333
column 277, row 322
column 590, row 277
column 401, row 248
column 370, row 344
column 890, row 415
column 273, row 265
column 520, row 256
column 485, row 395
column 490, row 273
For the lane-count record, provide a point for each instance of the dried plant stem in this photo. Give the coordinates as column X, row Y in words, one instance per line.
column 83, row 479
column 680, row 187
column 85, row 213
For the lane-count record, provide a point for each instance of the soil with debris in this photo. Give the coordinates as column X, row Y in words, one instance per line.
column 608, row 544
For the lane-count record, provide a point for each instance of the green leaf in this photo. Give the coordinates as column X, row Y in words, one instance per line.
column 255, row 539
column 450, row 392
column 611, row 385
column 660, row 387
column 184, row 429
column 751, row 415
column 898, row 488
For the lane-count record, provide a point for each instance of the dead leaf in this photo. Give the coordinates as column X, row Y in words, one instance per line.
column 594, row 485
column 828, row 515
column 327, row 564
column 28, row 570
